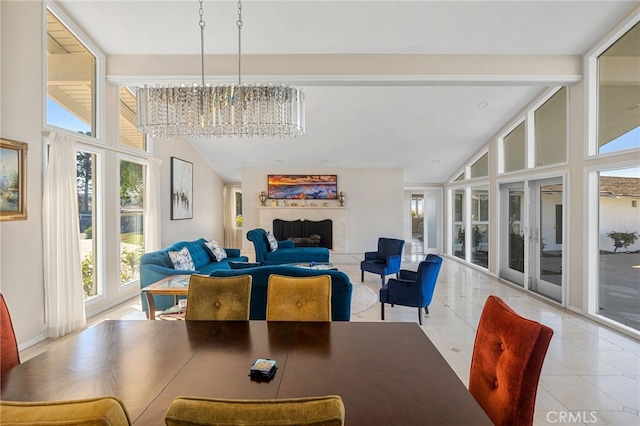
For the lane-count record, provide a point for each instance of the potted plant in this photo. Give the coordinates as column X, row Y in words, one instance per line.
column 622, row 239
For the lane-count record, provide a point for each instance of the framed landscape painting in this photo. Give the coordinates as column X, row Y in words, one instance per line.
column 13, row 180
column 181, row 189
column 310, row 187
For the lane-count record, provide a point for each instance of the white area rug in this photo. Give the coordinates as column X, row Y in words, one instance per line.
column 362, row 298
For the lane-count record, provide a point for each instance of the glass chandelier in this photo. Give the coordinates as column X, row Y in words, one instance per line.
column 202, row 111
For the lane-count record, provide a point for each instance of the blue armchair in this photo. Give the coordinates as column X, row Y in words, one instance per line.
column 385, row 261
column 413, row 288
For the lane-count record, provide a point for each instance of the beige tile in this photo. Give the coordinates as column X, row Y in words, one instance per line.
column 624, row 389
column 577, row 394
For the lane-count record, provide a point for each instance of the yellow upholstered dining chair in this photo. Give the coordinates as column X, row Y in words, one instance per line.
column 9, row 356
column 506, row 363
column 103, row 411
column 299, row 298
column 316, row 411
column 218, row 298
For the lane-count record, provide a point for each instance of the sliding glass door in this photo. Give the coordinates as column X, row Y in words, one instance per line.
column 512, row 232
column 547, row 238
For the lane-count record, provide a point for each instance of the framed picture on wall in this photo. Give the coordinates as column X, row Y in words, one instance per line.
column 311, row 187
column 13, row 180
column 181, row 189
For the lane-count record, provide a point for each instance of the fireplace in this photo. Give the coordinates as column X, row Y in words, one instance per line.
column 285, row 229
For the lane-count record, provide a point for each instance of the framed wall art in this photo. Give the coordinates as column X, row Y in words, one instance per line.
column 310, row 187
column 181, row 189
column 13, row 180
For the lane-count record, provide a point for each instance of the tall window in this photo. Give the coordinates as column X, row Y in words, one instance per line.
column 516, row 230
column 238, row 207
column 129, row 135
column 86, row 175
column 514, row 149
column 551, row 130
column 481, row 167
column 480, row 225
column 619, row 94
column 459, row 241
column 417, row 205
column 71, row 80
column 131, row 220
column 619, row 246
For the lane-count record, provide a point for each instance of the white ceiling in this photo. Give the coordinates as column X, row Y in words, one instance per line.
column 429, row 130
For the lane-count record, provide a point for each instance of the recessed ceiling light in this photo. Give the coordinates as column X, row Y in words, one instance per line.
column 435, row 162
column 634, row 107
column 483, row 104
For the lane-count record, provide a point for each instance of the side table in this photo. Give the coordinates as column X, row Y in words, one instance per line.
column 175, row 285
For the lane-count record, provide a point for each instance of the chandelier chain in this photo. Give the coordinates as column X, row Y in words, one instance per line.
column 223, row 110
column 202, row 24
column 239, row 24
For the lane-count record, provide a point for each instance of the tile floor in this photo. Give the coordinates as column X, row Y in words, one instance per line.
column 591, row 374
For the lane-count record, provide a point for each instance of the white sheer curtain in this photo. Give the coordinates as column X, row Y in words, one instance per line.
column 229, row 217
column 64, row 297
column 152, row 209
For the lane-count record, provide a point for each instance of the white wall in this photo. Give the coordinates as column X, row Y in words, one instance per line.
column 21, row 275
column 374, row 202
column 207, row 195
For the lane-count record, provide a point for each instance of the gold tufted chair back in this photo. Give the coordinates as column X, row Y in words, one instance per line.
column 299, row 298
column 218, row 298
column 507, row 359
column 104, row 411
column 311, row 411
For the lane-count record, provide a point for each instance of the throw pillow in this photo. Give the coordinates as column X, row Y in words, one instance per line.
column 273, row 243
column 182, row 260
column 216, row 250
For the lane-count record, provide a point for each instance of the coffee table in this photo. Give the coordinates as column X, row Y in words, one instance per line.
column 322, row 266
column 175, row 285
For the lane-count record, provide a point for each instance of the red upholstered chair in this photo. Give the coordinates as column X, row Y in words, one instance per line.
column 9, row 356
column 507, row 359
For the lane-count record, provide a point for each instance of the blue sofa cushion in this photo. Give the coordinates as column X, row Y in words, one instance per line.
column 341, row 287
column 295, row 255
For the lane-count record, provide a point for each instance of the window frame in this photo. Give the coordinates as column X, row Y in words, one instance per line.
column 99, row 232
column 125, row 148
column 546, row 96
column 122, row 156
column 591, row 85
column 591, row 229
column 99, row 92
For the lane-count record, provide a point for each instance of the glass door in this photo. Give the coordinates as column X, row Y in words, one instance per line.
column 432, row 220
column 546, row 239
column 416, row 244
column 512, row 232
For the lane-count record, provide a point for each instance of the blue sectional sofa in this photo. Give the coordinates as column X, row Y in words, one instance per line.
column 341, row 287
column 287, row 251
column 157, row 265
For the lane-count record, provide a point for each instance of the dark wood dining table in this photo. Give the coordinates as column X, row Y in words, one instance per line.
column 386, row 373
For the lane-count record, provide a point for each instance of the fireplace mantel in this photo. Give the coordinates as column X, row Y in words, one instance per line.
column 336, row 213
column 300, row 207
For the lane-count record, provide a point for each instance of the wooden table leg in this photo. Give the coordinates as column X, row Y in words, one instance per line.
column 151, row 306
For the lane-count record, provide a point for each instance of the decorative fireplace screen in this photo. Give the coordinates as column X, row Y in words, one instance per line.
column 285, row 229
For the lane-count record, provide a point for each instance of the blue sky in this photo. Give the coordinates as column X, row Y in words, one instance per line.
column 60, row 117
